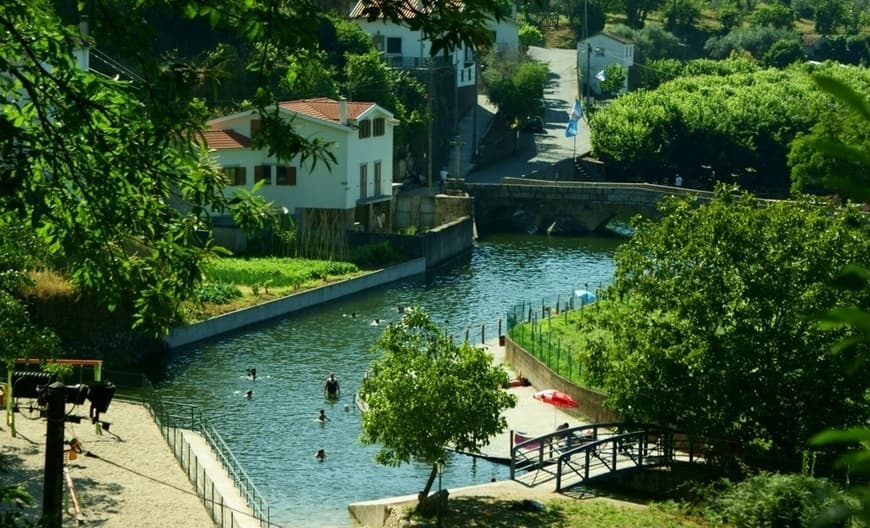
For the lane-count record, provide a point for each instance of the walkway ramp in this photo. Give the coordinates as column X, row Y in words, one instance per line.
column 581, row 454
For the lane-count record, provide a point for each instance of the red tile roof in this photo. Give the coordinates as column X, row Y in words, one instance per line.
column 225, row 139
column 324, row 108
column 408, row 9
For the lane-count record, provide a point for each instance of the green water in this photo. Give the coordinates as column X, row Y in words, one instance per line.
column 275, row 435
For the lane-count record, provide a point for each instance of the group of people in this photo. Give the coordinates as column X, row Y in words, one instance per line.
column 332, row 391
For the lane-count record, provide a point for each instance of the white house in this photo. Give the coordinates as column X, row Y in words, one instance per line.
column 403, row 47
column 599, row 51
column 357, row 188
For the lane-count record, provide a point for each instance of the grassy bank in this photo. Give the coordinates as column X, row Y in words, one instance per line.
column 232, row 284
column 480, row 512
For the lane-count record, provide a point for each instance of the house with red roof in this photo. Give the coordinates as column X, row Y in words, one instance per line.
column 357, row 189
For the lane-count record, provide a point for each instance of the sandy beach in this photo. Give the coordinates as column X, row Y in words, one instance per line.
column 134, row 480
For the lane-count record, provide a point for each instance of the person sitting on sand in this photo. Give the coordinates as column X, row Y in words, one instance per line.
column 331, row 388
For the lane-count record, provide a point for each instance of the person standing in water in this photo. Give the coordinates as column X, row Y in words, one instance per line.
column 331, row 389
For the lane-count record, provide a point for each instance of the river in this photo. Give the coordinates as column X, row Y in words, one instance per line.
column 275, row 433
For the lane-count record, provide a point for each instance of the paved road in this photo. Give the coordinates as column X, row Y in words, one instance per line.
column 540, row 150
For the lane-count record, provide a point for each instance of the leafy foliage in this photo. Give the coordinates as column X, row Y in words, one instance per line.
column 772, row 500
column 740, row 125
column 277, row 272
column 217, row 293
column 834, row 153
column 718, row 340
column 754, row 40
column 651, row 42
column 425, row 394
column 530, row 36
column 518, row 91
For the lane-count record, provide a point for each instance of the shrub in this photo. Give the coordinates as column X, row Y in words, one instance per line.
column 530, row 36
column 376, row 255
column 217, row 293
column 770, row 499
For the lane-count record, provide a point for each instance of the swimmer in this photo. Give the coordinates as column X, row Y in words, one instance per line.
column 252, row 373
column 249, row 394
column 401, row 309
column 320, row 455
column 322, row 418
column 332, row 389
column 376, row 322
column 346, row 407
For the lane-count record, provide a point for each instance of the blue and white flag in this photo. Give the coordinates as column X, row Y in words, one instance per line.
column 576, row 114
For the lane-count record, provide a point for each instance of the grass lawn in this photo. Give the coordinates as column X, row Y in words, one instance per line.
column 488, row 512
column 232, row 284
column 561, row 339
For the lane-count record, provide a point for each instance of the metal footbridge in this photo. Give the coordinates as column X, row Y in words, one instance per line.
column 584, row 453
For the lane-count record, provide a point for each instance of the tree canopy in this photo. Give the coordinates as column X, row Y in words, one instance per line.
column 739, row 126
column 713, row 330
column 110, row 173
column 426, row 394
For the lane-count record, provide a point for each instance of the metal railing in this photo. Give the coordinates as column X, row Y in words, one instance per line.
column 173, row 418
column 579, row 454
column 528, row 325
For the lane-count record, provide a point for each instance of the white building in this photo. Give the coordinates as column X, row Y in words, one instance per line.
column 356, row 189
column 599, row 51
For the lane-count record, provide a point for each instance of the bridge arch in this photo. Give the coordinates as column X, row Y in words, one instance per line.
column 520, row 204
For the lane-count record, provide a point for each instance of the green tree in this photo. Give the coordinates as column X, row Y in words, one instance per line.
column 755, row 40
column 518, row 92
column 681, row 15
column 368, row 79
column 426, row 394
column 714, row 334
column 586, row 17
column 784, row 52
column 530, row 36
column 111, row 174
column 614, row 79
column 773, row 15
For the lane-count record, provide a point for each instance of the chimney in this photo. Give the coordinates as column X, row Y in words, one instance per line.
column 342, row 111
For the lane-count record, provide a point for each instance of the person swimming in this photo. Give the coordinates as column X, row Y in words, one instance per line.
column 249, row 394
column 252, row 373
column 376, row 322
column 331, row 388
column 320, row 455
column 322, row 418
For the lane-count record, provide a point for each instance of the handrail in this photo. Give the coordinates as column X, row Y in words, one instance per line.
column 603, row 445
column 171, row 415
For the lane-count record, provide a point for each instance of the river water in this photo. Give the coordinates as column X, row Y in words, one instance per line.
column 275, row 433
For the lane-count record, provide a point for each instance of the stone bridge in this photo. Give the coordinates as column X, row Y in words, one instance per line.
column 519, row 204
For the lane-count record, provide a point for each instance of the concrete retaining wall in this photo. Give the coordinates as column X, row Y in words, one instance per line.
column 527, row 365
column 435, row 246
column 186, row 335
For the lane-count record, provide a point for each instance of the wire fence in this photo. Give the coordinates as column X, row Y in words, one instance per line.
column 529, row 325
column 177, row 422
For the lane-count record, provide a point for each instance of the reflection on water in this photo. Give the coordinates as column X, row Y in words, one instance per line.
column 275, row 434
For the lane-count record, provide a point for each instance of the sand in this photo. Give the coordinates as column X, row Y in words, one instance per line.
column 136, row 481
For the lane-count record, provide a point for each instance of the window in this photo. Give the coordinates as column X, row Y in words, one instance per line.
column 365, row 128
column 378, row 178
column 462, row 75
column 264, row 173
column 285, row 175
column 394, row 45
column 363, row 181
column 236, row 175
column 379, row 126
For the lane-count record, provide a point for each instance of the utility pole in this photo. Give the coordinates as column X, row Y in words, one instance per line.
column 52, row 494
column 431, row 118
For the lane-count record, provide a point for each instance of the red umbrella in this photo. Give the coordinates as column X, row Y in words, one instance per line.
column 555, row 397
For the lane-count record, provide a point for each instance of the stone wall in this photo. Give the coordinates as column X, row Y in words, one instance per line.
column 185, row 335
column 530, row 367
column 435, row 246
